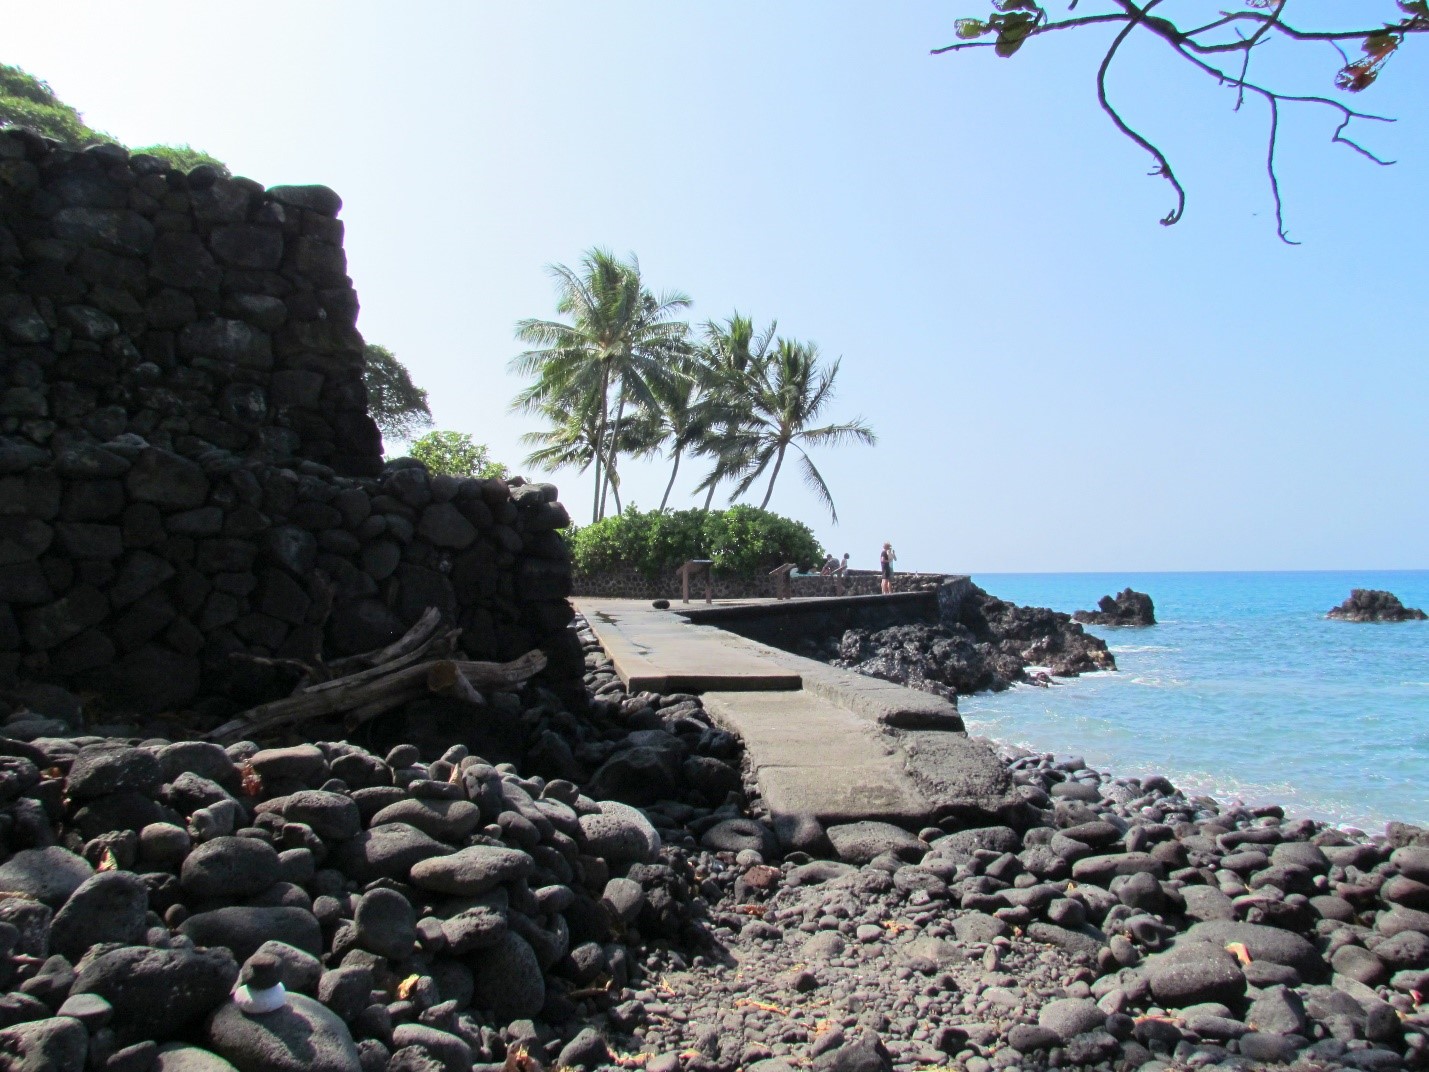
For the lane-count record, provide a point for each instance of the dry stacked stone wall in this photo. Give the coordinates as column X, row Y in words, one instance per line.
column 187, row 468
column 137, row 299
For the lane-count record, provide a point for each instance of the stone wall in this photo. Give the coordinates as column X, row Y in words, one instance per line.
column 630, row 583
column 137, row 572
column 180, row 308
column 188, row 474
column 790, row 625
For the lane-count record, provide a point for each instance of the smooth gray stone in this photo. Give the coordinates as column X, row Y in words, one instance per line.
column 509, row 979
column 179, row 1057
column 387, row 851
column 332, row 816
column 105, row 769
column 619, row 834
column 1069, row 1017
column 303, row 1036
column 451, row 1051
column 158, row 993
column 471, row 871
column 229, row 868
column 447, row 819
column 50, row 874
column 300, row 970
column 110, row 907
column 386, row 924
column 1195, row 973
column 1279, row 1011
column 1262, row 943
column 858, row 843
column 57, row 1044
column 243, row 929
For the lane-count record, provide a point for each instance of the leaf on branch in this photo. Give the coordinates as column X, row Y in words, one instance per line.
column 1380, row 45
column 1355, row 77
column 1018, row 5
column 1012, row 33
column 1361, row 74
column 967, row 29
column 1418, row 9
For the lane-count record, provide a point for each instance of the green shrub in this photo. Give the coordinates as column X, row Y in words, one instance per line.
column 184, row 157
column 455, row 454
column 27, row 101
column 740, row 540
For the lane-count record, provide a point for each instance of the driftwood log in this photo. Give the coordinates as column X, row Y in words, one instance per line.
column 361, row 687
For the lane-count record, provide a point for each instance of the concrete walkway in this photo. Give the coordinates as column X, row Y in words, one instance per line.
column 821, row 742
column 658, row 651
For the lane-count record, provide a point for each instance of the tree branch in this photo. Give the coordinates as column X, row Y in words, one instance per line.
column 1046, row 27
column 1273, row 100
column 1381, row 43
column 1270, row 171
column 1272, row 21
column 1163, row 166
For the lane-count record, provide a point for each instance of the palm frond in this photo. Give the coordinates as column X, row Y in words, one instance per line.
column 814, row 481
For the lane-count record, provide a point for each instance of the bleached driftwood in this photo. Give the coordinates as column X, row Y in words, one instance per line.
column 417, row 664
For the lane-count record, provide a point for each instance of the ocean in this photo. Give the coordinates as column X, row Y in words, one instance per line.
column 1242, row 691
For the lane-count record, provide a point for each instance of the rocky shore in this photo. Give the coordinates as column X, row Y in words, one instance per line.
column 610, row 895
column 1374, row 605
column 982, row 644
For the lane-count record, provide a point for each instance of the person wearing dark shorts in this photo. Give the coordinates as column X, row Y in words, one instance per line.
column 885, row 564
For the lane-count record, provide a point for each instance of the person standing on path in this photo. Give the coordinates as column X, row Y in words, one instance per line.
column 885, row 564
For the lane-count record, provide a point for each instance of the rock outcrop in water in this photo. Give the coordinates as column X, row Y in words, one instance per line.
column 986, row 644
column 1127, row 608
column 1374, row 605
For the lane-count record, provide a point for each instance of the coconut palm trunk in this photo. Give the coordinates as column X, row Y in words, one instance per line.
column 673, row 473
column 613, row 451
column 779, row 461
column 599, row 442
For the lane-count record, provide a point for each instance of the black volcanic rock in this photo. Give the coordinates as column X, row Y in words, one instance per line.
column 1374, row 605
column 1127, row 608
column 989, row 645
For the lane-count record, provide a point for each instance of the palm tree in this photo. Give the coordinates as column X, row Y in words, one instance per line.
column 569, row 442
column 680, row 419
column 785, row 398
column 619, row 336
column 728, row 364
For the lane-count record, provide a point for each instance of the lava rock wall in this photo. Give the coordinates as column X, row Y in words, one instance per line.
column 137, row 299
column 188, row 472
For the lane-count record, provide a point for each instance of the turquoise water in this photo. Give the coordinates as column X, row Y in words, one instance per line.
column 1244, row 691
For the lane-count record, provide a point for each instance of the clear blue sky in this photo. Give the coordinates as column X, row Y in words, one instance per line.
column 1058, row 383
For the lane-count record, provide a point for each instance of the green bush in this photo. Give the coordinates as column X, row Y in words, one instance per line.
column 740, row 540
column 455, row 454
column 27, row 101
column 184, row 157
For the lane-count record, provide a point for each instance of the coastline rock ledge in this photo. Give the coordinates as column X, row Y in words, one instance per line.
column 1128, row 608
column 1374, row 605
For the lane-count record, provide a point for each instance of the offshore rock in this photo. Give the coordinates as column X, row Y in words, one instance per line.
column 1374, row 605
column 1129, row 607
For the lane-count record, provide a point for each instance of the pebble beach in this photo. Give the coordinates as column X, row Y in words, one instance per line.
column 444, row 911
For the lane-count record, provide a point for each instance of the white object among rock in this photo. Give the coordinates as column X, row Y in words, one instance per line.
column 254, row 1002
